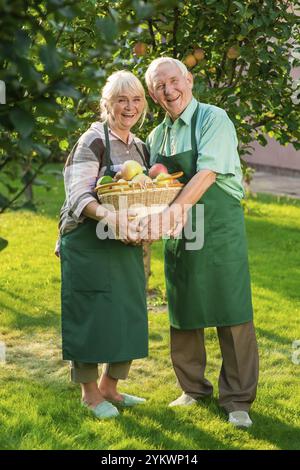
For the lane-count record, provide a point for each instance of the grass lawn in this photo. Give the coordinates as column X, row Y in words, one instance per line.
column 39, row 407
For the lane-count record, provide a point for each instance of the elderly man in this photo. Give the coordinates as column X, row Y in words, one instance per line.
column 207, row 287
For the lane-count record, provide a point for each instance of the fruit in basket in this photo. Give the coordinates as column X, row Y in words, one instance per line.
column 104, row 180
column 141, row 178
column 156, row 169
column 117, row 176
column 163, row 177
column 129, row 169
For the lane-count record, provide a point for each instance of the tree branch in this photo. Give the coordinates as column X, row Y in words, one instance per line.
column 264, row 121
column 6, row 160
column 232, row 73
column 240, row 73
column 175, row 28
column 60, row 32
column 26, row 186
column 151, row 31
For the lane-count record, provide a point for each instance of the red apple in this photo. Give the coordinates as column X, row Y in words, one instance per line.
column 156, row 169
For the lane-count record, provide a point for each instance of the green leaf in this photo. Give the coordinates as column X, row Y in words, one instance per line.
column 42, row 150
column 63, row 144
column 108, row 28
column 22, row 121
column 64, row 89
column 22, row 42
column 50, row 59
column 38, row 182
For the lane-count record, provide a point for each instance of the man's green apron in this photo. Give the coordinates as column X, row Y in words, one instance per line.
column 208, row 286
column 104, row 312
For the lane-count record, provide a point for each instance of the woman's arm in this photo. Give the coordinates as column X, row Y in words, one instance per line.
column 116, row 220
column 95, row 211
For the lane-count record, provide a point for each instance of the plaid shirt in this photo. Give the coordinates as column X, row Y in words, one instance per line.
column 85, row 164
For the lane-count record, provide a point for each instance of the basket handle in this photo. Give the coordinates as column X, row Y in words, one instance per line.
column 108, row 185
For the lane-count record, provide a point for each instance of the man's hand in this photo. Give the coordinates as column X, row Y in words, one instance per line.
column 168, row 223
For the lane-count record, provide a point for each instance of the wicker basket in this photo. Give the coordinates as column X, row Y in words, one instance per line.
column 122, row 196
column 145, row 197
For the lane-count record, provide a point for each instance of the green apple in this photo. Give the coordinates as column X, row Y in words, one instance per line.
column 105, row 180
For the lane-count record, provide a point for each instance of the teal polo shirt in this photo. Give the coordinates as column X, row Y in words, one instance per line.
column 216, row 143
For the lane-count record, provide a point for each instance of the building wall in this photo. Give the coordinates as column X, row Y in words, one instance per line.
column 275, row 155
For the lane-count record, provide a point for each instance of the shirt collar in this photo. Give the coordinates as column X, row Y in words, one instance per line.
column 185, row 116
column 130, row 138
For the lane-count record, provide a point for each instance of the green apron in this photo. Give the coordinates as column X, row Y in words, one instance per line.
column 208, row 286
column 103, row 298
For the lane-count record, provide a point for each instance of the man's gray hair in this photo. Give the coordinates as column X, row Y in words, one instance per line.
column 163, row 60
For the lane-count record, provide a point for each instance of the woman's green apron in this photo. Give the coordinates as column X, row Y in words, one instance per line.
column 104, row 313
column 208, row 286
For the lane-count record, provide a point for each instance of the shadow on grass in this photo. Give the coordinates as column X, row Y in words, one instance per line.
column 273, row 338
column 56, row 420
column 168, row 430
column 274, row 270
column 279, row 433
column 26, row 321
column 3, row 243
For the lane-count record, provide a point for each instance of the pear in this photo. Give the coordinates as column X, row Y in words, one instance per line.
column 129, row 169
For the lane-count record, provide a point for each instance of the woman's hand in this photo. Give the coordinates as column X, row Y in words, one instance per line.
column 168, row 223
column 57, row 248
column 120, row 223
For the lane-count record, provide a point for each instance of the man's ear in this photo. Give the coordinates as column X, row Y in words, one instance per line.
column 152, row 96
column 190, row 79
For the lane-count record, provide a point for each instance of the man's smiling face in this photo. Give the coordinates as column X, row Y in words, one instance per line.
column 171, row 89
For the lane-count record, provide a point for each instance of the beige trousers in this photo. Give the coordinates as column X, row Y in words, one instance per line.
column 82, row 372
column 239, row 372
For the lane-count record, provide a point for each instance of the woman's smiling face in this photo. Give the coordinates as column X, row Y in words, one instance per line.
column 126, row 110
column 171, row 89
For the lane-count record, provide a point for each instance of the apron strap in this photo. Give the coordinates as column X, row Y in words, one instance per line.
column 193, row 132
column 164, row 141
column 108, row 161
column 145, row 162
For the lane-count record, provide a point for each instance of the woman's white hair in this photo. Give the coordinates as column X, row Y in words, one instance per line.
column 163, row 60
column 118, row 83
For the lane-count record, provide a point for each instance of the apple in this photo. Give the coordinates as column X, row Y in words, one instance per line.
column 199, row 54
column 233, row 52
column 104, row 180
column 129, row 169
column 190, row 61
column 156, row 169
column 140, row 48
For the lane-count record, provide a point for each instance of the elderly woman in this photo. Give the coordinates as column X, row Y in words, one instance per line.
column 104, row 316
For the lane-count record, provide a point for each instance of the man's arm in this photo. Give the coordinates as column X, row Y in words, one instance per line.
column 195, row 188
column 171, row 221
